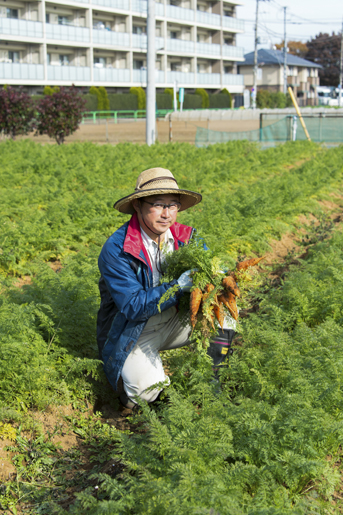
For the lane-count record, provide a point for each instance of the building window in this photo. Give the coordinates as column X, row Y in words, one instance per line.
column 48, row 58
column 12, row 13
column 100, row 62
column 14, row 57
column 137, row 29
column 173, row 34
column 175, row 67
column 64, row 60
column 63, row 20
column 138, row 64
column 47, row 18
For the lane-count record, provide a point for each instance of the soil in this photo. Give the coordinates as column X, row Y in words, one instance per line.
column 134, row 131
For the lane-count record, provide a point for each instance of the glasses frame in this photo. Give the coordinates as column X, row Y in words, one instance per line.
column 165, row 206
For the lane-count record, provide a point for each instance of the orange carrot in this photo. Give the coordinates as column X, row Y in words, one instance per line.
column 195, row 301
column 229, row 283
column 229, row 300
column 244, row 265
column 219, row 312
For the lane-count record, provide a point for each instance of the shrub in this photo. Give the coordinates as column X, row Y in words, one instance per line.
column 227, row 92
column 16, row 112
column 60, row 114
column 103, row 102
column 48, row 90
column 219, row 101
column 141, row 100
column 123, row 102
column 192, row 101
column 91, row 102
column 272, row 100
column 262, row 98
column 170, row 92
column 205, row 104
column 164, row 101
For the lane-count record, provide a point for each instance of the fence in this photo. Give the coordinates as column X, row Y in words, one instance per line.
column 96, row 116
column 321, row 127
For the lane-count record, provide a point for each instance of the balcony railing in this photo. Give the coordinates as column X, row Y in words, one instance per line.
column 140, row 41
column 179, row 13
column 208, row 78
column 23, row 28
column 181, row 77
column 69, row 73
column 111, row 75
column 235, row 52
column 233, row 23
column 113, row 4
column 141, row 76
column 208, row 49
column 107, row 37
column 23, row 71
column 230, row 79
column 67, row 33
column 180, row 46
column 208, row 18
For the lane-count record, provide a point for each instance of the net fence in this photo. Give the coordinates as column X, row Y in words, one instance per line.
column 328, row 129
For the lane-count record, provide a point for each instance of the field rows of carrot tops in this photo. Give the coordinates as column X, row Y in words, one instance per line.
column 267, row 442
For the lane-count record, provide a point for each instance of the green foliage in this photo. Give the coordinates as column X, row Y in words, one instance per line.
column 123, row 102
column 192, row 101
column 140, row 93
column 225, row 91
column 219, row 101
column 272, row 100
column 164, row 101
column 91, row 102
column 50, row 90
column 16, row 112
column 103, row 102
column 205, row 101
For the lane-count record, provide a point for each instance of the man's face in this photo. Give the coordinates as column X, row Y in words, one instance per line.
column 157, row 220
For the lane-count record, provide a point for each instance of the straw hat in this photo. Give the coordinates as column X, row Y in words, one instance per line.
column 153, row 182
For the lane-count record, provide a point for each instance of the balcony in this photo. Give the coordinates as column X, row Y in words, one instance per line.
column 181, row 77
column 180, row 46
column 235, row 52
column 208, row 49
column 208, row 18
column 140, row 41
column 21, row 28
column 113, row 4
column 17, row 71
column 111, row 75
column 109, row 38
column 179, row 13
column 230, row 79
column 209, row 78
column 141, row 76
column 67, row 33
column 233, row 24
column 69, row 73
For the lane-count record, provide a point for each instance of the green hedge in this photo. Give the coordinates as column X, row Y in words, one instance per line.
column 219, row 101
column 205, row 102
column 123, row 102
column 91, row 102
column 192, row 101
column 164, row 101
column 140, row 94
column 272, row 100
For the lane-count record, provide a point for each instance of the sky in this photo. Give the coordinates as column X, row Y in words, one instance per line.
column 305, row 19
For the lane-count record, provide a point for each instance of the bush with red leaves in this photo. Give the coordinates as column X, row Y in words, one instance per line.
column 16, row 112
column 60, row 114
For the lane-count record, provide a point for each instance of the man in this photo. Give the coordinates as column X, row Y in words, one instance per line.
column 130, row 331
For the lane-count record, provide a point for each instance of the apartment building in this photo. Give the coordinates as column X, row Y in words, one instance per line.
column 104, row 42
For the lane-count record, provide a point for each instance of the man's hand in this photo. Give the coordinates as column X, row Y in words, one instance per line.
column 185, row 281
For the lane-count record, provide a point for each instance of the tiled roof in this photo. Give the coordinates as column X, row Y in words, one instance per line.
column 265, row 56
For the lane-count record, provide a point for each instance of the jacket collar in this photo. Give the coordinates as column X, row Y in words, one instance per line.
column 133, row 243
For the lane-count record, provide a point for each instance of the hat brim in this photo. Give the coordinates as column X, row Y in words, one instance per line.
column 187, row 198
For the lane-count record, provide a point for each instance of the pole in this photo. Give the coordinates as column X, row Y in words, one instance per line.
column 151, row 88
column 284, row 54
column 295, row 103
column 170, row 128
column 255, row 61
column 340, row 71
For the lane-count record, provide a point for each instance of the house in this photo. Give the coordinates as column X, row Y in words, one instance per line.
column 302, row 75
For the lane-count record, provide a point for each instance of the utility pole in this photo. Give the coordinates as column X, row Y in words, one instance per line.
column 254, row 93
column 284, row 54
column 340, row 71
column 151, row 88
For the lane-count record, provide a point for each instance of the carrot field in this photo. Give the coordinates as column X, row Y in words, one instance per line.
column 269, row 440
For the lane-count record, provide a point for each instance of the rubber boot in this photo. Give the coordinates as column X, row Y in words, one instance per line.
column 220, row 348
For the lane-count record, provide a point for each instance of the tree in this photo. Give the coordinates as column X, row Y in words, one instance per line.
column 295, row 48
column 48, row 90
column 60, row 114
column 16, row 112
column 205, row 102
column 325, row 50
column 225, row 91
column 141, row 98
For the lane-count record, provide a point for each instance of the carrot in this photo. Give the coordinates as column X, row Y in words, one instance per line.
column 208, row 313
column 229, row 300
column 195, row 301
column 229, row 283
column 219, row 313
column 244, row 265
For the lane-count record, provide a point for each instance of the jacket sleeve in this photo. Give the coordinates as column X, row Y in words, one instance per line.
column 131, row 299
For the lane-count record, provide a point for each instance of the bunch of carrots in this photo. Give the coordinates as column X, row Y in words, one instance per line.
column 225, row 298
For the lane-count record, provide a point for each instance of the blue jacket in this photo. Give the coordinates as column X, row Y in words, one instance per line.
column 128, row 299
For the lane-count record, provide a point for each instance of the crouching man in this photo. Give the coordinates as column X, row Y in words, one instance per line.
column 130, row 330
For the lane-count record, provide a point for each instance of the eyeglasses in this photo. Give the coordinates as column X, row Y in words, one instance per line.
column 159, row 206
